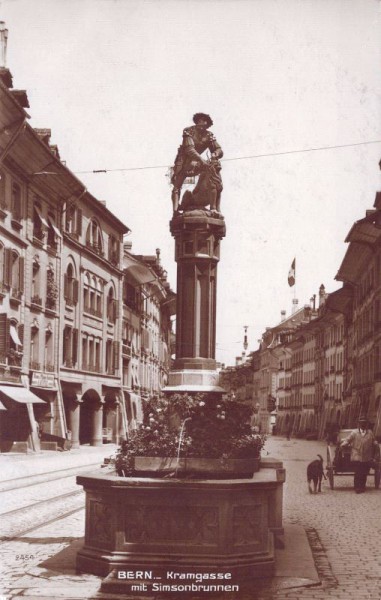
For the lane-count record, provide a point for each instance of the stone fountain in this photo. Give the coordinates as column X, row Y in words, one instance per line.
column 188, row 526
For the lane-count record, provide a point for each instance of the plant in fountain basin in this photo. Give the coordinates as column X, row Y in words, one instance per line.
column 191, row 426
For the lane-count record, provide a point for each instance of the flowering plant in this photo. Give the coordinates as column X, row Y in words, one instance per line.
column 192, row 426
column 51, row 287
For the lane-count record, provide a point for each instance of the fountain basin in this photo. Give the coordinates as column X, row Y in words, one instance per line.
column 206, row 468
column 191, row 525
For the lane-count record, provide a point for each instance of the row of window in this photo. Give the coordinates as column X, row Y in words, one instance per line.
column 306, row 401
column 366, row 322
column 92, row 358
column 364, row 368
column 366, row 284
column 45, row 228
column 12, row 269
column 334, row 362
column 94, row 235
column 12, row 341
column 333, row 335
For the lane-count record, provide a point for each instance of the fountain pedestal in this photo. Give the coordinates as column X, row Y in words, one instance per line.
column 197, row 236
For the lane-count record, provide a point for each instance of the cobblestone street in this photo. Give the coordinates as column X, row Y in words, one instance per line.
column 343, row 528
column 347, row 524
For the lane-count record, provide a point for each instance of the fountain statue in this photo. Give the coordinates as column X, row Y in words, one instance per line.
column 189, row 162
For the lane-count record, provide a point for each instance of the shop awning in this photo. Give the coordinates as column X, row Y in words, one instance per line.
column 42, row 219
column 139, row 271
column 15, row 335
column 20, row 394
column 54, row 227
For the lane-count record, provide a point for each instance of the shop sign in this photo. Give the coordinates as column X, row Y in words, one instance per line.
column 45, row 380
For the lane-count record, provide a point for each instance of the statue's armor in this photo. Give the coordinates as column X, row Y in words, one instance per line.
column 188, row 159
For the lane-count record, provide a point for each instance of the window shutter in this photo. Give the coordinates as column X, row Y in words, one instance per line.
column 20, row 331
column 66, row 290
column 79, row 221
column 75, row 291
column 7, row 266
column 21, row 273
column 68, row 344
column 4, row 335
column 110, row 238
column 116, row 355
column 75, row 347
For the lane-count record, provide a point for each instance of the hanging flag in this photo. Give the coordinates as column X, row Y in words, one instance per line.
column 291, row 274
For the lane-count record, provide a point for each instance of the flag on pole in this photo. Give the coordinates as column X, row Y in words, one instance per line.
column 291, row 274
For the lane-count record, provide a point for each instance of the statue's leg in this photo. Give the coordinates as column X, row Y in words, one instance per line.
column 177, row 185
column 218, row 202
column 175, row 199
column 213, row 194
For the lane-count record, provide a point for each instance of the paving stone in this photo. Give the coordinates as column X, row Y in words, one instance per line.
column 346, row 526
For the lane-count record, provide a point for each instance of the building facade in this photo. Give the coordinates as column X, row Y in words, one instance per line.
column 67, row 329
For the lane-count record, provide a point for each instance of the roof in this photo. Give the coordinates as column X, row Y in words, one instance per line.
column 340, row 300
column 362, row 237
column 356, row 257
column 30, row 151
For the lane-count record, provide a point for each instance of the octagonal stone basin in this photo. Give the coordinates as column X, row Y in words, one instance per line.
column 144, row 524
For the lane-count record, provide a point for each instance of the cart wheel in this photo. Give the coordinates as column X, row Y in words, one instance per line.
column 377, row 476
column 329, row 468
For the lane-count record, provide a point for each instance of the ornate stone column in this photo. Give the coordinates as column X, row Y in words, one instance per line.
column 72, row 415
column 197, row 235
column 96, row 428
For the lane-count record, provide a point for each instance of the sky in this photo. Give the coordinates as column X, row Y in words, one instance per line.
column 285, row 82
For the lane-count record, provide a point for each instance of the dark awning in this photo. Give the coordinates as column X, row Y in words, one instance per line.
column 20, row 394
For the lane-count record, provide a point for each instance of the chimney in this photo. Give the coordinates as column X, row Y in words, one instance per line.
column 322, row 295
column 3, row 43
column 295, row 302
column 158, row 255
column 307, row 312
column 245, row 343
column 282, row 315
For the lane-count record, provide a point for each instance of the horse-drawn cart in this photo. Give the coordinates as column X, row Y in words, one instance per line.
column 339, row 460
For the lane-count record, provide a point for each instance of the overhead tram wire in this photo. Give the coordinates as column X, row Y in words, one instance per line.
column 249, row 157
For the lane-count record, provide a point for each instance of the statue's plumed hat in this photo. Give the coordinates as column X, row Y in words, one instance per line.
column 198, row 116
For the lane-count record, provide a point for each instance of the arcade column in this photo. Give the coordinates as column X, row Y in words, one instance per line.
column 72, row 416
column 197, row 236
column 97, row 422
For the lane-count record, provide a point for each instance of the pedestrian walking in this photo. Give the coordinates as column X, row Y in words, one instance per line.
column 363, row 446
column 289, row 431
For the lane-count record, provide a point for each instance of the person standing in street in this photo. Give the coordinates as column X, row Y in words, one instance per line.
column 363, row 446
